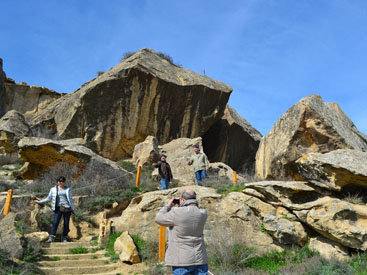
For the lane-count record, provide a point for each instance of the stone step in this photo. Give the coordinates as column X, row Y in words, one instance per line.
column 64, row 250
column 68, row 245
column 76, row 262
column 99, row 254
column 95, row 269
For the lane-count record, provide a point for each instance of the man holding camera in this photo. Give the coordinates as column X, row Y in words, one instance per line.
column 186, row 250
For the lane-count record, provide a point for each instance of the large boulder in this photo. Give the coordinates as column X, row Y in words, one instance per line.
column 336, row 220
column 232, row 140
column 11, row 241
column 143, row 95
column 13, row 127
column 126, row 249
column 234, row 213
column 310, row 126
column 334, row 170
column 28, row 100
column 146, row 151
column 43, row 154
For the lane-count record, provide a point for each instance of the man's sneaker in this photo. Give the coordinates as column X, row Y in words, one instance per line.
column 50, row 239
column 64, row 239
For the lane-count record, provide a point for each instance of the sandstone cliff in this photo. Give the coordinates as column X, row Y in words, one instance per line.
column 143, row 95
column 2, row 89
column 311, row 125
column 232, row 140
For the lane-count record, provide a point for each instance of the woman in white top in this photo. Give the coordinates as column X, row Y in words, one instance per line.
column 62, row 204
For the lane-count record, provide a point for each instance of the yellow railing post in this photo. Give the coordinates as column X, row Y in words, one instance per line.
column 138, row 174
column 162, row 243
column 234, row 177
column 9, row 197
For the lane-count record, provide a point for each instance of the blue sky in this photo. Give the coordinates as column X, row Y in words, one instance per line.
column 272, row 52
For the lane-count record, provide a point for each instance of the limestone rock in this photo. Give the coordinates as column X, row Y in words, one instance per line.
column 230, row 212
column 285, row 231
column 125, row 247
column 146, row 152
column 45, row 153
column 11, row 241
column 143, row 95
column 36, row 238
column 336, row 169
column 232, row 140
column 336, row 220
column 28, row 100
column 328, row 249
column 12, row 128
column 285, row 193
column 310, row 126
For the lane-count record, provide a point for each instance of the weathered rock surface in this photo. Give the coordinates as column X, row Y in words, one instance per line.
column 35, row 238
column 11, row 241
column 336, row 169
column 311, row 125
column 28, row 100
column 328, row 249
column 125, row 247
column 146, row 151
column 43, row 154
column 337, row 220
column 230, row 213
column 143, row 95
column 232, row 140
column 12, row 127
column 284, row 193
column 285, row 231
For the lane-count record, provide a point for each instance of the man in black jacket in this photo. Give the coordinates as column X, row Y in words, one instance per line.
column 164, row 171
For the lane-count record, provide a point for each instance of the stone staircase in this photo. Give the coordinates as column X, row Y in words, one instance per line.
column 59, row 260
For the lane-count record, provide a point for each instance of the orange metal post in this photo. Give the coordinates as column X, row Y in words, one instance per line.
column 234, row 177
column 162, row 243
column 138, row 174
column 9, row 197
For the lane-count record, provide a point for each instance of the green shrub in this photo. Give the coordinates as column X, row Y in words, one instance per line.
column 359, row 263
column 110, row 246
column 224, row 185
column 329, row 267
column 20, row 227
column 78, row 250
column 32, row 254
column 148, row 250
column 7, row 266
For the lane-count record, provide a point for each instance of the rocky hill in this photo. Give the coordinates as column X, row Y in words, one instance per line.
column 302, row 184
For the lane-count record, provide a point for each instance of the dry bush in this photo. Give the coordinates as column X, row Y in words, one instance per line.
column 227, row 253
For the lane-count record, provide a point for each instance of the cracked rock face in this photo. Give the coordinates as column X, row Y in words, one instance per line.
column 143, row 95
column 336, row 169
column 310, row 126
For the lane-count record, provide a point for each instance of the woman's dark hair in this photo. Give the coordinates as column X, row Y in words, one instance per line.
column 61, row 178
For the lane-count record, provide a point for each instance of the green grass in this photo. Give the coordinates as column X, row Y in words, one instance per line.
column 148, row 250
column 94, row 257
column 127, row 165
column 55, row 258
column 20, row 227
column 110, row 246
column 78, row 250
column 224, row 186
column 95, row 249
column 273, row 261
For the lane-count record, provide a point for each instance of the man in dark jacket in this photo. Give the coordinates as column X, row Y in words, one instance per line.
column 164, row 171
column 186, row 249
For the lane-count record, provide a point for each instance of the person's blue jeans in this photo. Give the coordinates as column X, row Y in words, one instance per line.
column 200, row 176
column 57, row 218
column 164, row 184
column 190, row 270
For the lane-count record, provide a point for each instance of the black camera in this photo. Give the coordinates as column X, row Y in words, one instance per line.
column 176, row 201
